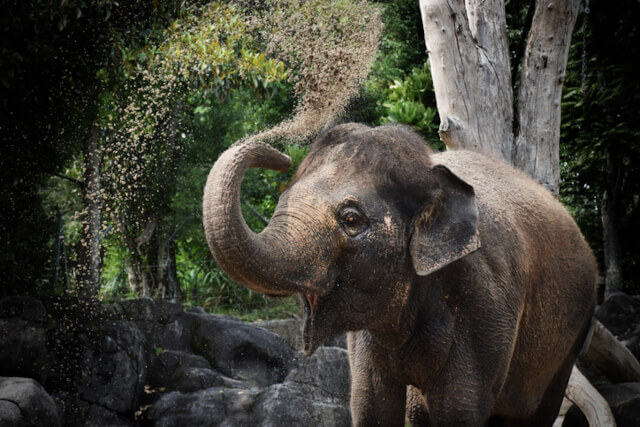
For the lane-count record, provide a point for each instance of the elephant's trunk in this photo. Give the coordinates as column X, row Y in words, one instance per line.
column 265, row 262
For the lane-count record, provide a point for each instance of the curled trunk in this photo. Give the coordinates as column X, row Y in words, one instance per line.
column 268, row 262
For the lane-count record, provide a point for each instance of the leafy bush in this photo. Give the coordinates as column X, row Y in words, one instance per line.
column 412, row 102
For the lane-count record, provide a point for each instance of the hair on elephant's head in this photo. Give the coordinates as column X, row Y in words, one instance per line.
column 366, row 214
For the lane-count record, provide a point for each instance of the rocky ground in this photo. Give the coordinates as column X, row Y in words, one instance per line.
column 67, row 361
column 72, row 362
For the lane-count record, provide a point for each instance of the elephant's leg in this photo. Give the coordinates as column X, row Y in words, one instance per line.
column 471, row 409
column 549, row 407
column 463, row 393
column 376, row 397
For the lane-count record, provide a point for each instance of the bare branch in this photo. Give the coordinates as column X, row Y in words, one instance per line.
column 75, row 181
column 591, row 403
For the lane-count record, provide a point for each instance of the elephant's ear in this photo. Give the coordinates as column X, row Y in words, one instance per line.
column 446, row 229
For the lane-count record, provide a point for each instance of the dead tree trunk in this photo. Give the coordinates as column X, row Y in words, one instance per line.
column 467, row 46
column 469, row 57
column 89, row 265
column 537, row 123
column 610, row 212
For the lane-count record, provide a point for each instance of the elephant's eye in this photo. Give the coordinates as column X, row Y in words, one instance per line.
column 352, row 221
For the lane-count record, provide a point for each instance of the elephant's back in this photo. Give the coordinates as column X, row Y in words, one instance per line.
column 514, row 208
column 507, row 196
column 497, row 185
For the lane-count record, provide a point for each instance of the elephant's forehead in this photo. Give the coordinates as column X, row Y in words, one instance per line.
column 335, row 182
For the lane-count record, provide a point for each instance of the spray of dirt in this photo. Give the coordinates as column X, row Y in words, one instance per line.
column 330, row 46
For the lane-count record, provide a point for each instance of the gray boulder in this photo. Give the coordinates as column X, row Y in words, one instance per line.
column 23, row 307
column 240, row 351
column 99, row 416
column 315, row 392
column 144, row 362
column 23, row 402
column 162, row 323
column 173, row 370
column 291, row 331
column 23, row 350
column 114, row 367
column 620, row 313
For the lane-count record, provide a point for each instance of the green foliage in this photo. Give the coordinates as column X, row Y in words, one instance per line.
column 412, row 102
column 400, row 51
column 399, row 88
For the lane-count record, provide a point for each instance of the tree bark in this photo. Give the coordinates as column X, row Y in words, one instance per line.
column 467, row 46
column 470, row 68
column 610, row 211
column 537, row 126
column 594, row 407
column 89, row 265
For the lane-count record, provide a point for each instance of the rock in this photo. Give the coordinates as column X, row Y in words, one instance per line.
column 72, row 410
column 10, row 414
column 185, row 372
column 139, row 310
column 216, row 406
column 314, row 393
column 114, row 367
column 619, row 313
column 327, row 370
column 294, row 404
column 24, row 402
column 99, row 416
column 23, row 350
column 291, row 331
column 241, row 351
column 162, row 323
column 110, row 364
column 26, row 308
column 277, row 405
column 624, row 400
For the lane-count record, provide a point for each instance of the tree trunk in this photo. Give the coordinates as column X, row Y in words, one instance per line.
column 467, row 46
column 471, row 75
column 140, row 278
column 610, row 211
column 139, row 282
column 537, row 126
column 90, row 260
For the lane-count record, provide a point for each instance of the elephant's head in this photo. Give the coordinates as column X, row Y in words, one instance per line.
column 366, row 213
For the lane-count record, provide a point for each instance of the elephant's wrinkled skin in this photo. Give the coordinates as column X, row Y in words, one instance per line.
column 466, row 287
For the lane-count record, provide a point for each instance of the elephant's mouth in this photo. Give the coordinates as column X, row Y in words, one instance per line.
column 315, row 330
column 309, row 332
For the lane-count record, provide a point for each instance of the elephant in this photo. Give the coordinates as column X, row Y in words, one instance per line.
column 465, row 288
